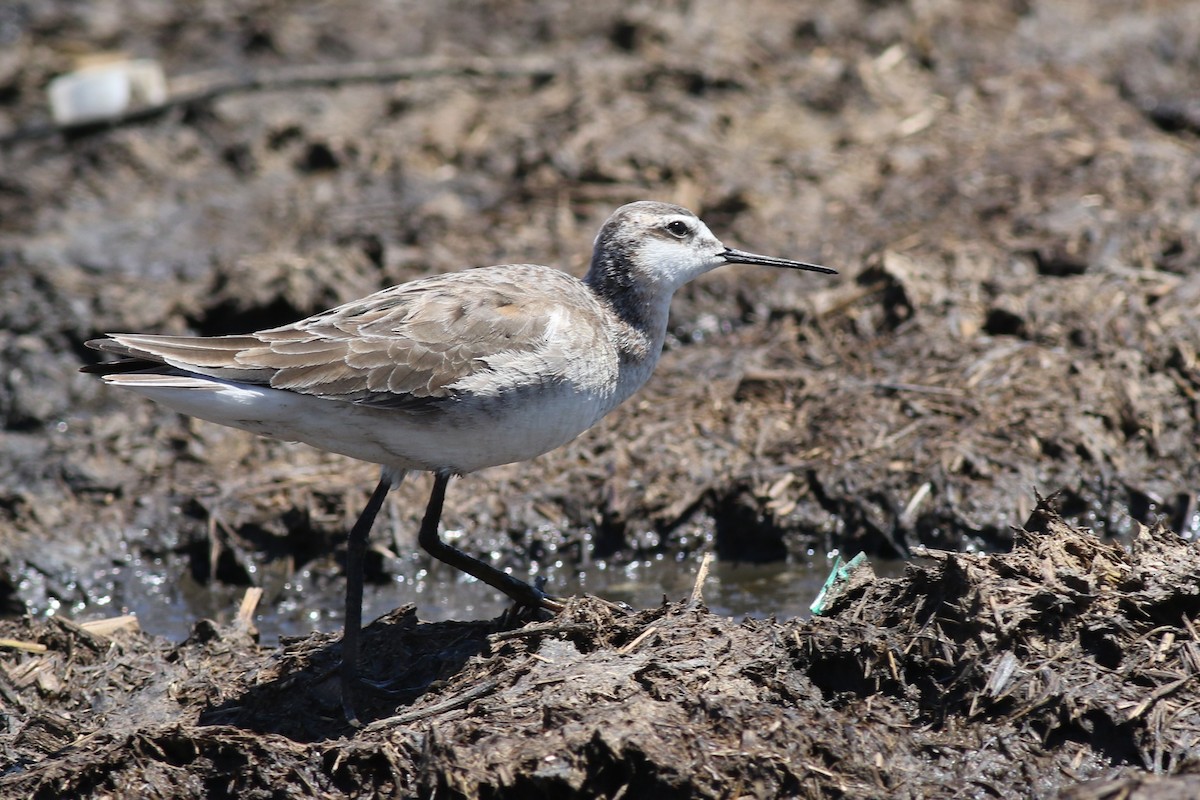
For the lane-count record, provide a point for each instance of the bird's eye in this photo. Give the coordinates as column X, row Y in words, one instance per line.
column 678, row 228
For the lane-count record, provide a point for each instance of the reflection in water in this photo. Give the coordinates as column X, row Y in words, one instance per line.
column 734, row 590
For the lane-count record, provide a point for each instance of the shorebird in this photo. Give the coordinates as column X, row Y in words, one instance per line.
column 446, row 374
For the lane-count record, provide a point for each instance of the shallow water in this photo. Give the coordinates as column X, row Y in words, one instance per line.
column 302, row 603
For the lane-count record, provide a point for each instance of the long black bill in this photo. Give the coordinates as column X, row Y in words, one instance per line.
column 732, row 256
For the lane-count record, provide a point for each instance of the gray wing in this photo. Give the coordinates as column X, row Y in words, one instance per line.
column 402, row 346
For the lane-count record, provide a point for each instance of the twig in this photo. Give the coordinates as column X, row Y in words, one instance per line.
column 643, row 636
column 110, row 625
column 897, row 386
column 245, row 614
column 449, row 704
column 542, row 629
column 1157, row 694
column 210, row 85
column 701, row 576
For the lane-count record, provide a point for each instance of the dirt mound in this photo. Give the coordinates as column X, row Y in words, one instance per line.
column 1066, row 665
column 1013, row 214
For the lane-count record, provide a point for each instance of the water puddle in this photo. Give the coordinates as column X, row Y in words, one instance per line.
column 301, row 603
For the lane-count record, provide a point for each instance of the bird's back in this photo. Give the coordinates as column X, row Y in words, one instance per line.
column 504, row 363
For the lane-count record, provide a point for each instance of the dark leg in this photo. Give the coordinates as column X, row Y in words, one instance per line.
column 356, row 550
column 518, row 590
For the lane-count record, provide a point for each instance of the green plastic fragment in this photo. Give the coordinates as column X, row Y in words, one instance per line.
column 837, row 582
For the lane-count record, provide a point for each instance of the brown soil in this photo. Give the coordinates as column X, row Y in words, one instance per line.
column 1012, row 194
column 1066, row 665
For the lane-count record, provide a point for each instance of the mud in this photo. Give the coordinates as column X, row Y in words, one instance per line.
column 1010, row 191
column 1064, row 667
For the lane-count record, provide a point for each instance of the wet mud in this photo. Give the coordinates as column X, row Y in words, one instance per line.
column 1065, row 667
column 1010, row 193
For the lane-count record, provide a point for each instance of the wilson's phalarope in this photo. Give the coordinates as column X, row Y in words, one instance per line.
column 447, row 374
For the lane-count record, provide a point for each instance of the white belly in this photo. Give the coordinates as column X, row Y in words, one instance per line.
column 459, row 436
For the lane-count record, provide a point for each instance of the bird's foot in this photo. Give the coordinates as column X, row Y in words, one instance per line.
column 530, row 603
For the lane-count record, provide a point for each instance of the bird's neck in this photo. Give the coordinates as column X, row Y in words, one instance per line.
column 639, row 312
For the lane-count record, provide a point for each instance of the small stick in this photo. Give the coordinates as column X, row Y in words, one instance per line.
column 110, row 625
column 245, row 614
column 189, row 89
column 449, row 704
column 643, row 636
column 543, row 629
column 701, row 576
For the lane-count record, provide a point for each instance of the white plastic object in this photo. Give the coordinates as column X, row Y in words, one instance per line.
column 106, row 91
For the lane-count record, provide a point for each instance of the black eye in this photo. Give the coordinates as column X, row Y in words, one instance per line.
column 678, row 228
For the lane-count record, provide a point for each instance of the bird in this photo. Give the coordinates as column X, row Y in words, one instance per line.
column 447, row 374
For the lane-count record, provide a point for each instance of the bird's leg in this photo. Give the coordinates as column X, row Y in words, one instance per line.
column 356, row 550
column 518, row 590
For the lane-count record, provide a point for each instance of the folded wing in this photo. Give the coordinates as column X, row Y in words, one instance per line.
column 402, row 346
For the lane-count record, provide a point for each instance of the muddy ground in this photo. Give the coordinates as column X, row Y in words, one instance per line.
column 1011, row 192
column 1066, row 667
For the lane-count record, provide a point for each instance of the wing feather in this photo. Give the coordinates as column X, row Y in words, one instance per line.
column 406, row 345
